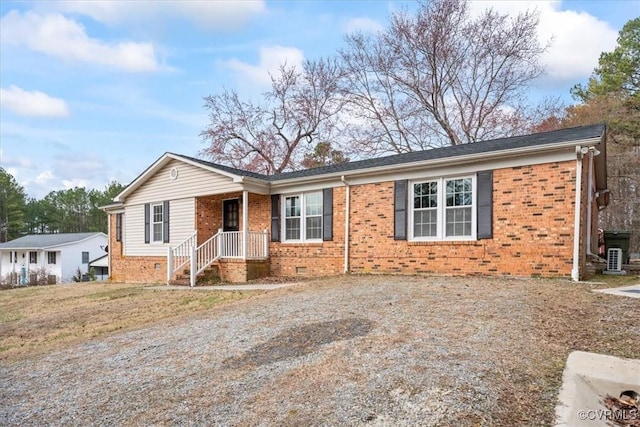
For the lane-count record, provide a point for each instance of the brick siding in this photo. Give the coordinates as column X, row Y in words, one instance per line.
column 533, row 226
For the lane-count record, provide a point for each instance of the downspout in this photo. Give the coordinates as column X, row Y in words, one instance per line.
column 575, row 271
column 592, row 155
column 346, row 223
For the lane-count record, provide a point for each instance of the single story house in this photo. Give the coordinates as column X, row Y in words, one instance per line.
column 522, row 206
column 56, row 257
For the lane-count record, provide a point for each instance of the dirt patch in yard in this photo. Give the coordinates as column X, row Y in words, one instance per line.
column 355, row 350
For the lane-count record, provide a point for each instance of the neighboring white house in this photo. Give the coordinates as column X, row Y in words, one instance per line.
column 59, row 255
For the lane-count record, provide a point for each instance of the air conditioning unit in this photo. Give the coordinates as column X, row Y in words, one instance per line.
column 614, row 259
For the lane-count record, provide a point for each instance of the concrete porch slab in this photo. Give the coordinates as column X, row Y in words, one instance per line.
column 632, row 291
column 586, row 380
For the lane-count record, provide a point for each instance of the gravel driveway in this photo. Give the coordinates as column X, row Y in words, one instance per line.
column 351, row 351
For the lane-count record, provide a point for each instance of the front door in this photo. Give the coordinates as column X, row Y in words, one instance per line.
column 230, row 215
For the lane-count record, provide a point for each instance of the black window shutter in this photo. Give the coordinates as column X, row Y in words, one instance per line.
column 165, row 221
column 400, row 210
column 118, row 227
column 275, row 217
column 327, row 214
column 147, row 215
column 485, row 205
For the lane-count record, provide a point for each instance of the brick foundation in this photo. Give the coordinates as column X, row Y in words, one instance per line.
column 238, row 271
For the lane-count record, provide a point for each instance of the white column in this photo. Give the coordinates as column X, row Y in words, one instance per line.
column 245, row 223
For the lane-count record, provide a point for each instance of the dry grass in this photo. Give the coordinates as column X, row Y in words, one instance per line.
column 380, row 350
column 38, row 320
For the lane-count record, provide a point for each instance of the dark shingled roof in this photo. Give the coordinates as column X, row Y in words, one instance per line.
column 38, row 241
column 537, row 139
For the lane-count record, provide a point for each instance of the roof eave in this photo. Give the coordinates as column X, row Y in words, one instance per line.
column 470, row 158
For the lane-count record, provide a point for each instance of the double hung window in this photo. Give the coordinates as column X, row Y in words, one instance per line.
column 442, row 209
column 303, row 217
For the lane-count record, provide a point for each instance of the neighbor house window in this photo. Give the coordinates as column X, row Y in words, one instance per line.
column 85, row 257
column 442, row 209
column 33, row 257
column 51, row 257
column 303, row 217
column 156, row 223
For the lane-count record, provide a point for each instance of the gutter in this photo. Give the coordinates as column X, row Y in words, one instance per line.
column 346, row 223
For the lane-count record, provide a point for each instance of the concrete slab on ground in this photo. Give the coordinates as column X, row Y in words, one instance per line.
column 632, row 291
column 587, row 379
column 252, row 287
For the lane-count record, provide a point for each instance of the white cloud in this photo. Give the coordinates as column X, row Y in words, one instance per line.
column 364, row 25
column 44, row 177
column 577, row 38
column 271, row 58
column 74, row 183
column 13, row 172
column 56, row 35
column 32, row 103
column 215, row 15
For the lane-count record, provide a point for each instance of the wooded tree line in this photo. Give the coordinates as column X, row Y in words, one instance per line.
column 65, row 211
column 439, row 76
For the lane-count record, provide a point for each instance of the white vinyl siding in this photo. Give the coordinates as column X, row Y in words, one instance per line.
column 181, row 224
column 191, row 180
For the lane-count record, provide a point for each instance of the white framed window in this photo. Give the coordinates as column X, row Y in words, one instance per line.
column 303, row 217
column 443, row 209
column 156, row 223
column 51, row 257
column 33, row 257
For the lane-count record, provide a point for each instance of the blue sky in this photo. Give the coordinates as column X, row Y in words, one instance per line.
column 96, row 91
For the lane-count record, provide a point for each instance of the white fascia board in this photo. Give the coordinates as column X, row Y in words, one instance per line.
column 308, row 186
column 253, row 185
column 444, row 171
column 113, row 208
column 442, row 167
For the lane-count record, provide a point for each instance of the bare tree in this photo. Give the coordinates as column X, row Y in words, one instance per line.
column 442, row 77
column 273, row 136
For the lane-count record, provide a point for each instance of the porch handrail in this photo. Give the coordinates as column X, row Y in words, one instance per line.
column 223, row 244
column 180, row 255
column 208, row 252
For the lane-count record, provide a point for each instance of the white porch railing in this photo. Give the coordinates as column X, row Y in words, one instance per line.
column 180, row 256
column 224, row 244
